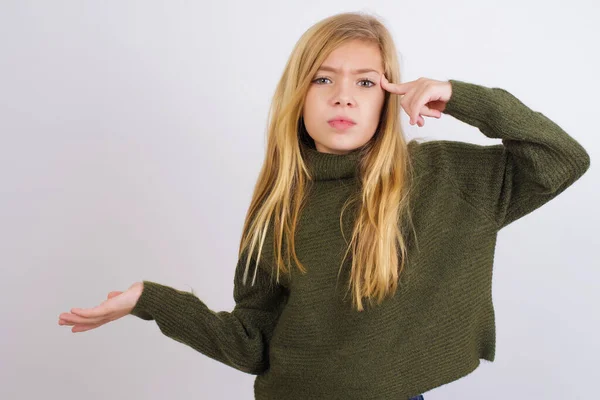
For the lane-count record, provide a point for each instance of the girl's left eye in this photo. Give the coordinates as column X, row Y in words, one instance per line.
column 371, row 83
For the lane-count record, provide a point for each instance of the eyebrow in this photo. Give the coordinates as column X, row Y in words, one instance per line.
column 354, row 71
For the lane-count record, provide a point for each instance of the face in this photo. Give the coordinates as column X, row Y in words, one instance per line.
column 346, row 86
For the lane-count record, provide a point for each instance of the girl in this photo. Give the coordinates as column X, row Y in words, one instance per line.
column 407, row 228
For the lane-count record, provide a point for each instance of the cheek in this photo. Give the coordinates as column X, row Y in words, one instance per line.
column 374, row 109
column 311, row 106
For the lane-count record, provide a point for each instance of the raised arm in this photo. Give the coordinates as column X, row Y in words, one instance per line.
column 536, row 161
column 238, row 338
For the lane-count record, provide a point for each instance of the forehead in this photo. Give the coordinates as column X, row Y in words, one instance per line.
column 355, row 54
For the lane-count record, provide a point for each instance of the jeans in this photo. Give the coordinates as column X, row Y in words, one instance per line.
column 419, row 397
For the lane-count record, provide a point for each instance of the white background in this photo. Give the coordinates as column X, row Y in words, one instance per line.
column 133, row 133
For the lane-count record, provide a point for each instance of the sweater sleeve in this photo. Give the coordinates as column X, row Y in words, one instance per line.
column 536, row 161
column 238, row 338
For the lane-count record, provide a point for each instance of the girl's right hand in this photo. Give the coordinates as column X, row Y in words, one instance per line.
column 117, row 305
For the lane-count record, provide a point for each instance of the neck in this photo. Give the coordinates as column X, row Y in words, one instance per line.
column 328, row 166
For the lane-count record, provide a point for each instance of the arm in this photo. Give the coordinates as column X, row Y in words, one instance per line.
column 536, row 161
column 238, row 338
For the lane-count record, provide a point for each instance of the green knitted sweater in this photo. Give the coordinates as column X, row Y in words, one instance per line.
column 301, row 337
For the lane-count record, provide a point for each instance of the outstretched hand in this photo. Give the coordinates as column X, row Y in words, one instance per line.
column 117, row 305
column 421, row 97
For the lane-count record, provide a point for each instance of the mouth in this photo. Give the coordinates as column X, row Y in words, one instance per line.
column 342, row 118
column 341, row 123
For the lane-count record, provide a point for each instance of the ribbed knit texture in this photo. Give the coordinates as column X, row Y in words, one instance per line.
column 303, row 339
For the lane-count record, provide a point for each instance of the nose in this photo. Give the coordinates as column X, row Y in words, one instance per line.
column 343, row 95
column 345, row 101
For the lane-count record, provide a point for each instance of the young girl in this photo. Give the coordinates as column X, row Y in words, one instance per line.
column 344, row 205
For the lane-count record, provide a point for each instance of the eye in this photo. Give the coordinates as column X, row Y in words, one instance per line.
column 371, row 82
column 318, row 81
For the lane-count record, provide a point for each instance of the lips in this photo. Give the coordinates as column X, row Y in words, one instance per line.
column 341, row 124
column 342, row 119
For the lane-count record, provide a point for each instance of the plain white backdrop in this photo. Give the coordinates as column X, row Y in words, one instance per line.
column 133, row 133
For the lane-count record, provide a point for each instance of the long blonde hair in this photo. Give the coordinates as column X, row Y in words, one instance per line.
column 385, row 170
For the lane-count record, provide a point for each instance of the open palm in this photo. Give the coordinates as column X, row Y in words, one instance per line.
column 118, row 304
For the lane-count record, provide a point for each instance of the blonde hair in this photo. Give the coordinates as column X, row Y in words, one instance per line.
column 385, row 170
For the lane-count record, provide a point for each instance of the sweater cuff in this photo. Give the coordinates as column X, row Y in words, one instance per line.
column 150, row 300
column 470, row 100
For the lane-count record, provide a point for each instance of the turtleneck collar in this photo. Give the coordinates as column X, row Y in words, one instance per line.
column 328, row 166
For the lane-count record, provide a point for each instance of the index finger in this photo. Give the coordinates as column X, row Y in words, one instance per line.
column 397, row 88
column 94, row 312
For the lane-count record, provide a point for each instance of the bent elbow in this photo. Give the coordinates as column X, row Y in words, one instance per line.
column 257, row 368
